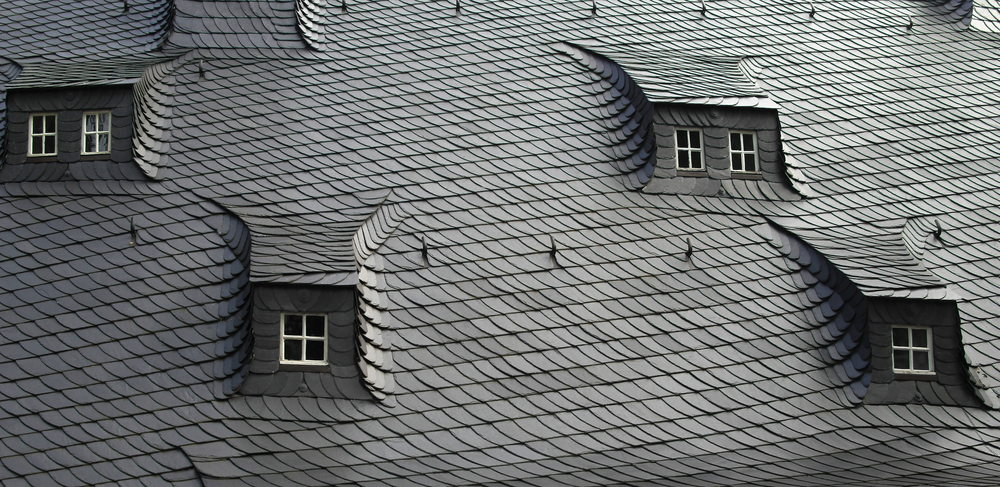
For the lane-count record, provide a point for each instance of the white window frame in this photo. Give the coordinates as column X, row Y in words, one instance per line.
column 97, row 133
column 690, row 150
column 910, row 349
column 32, row 135
column 734, row 153
column 304, row 338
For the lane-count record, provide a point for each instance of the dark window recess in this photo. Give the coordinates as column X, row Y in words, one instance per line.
column 917, row 355
column 304, row 343
column 911, row 350
column 96, row 133
column 743, row 151
column 70, row 133
column 689, row 149
column 43, row 135
column 303, row 339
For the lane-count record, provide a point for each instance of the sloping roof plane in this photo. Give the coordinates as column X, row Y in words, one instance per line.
column 528, row 314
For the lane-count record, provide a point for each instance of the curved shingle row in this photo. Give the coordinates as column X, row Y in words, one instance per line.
column 234, row 335
column 234, row 25
column 558, row 329
column 981, row 15
column 630, row 121
column 108, row 29
column 373, row 338
column 143, row 289
column 8, row 71
column 840, row 307
column 151, row 131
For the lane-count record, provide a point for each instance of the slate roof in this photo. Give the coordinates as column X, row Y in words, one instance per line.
column 529, row 314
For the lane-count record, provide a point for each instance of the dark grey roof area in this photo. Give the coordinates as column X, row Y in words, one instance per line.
column 234, row 24
column 91, row 30
column 533, row 308
column 8, row 71
column 124, row 70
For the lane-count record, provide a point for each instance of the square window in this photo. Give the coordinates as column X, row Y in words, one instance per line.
column 912, row 350
column 743, row 151
column 96, row 133
column 303, row 339
column 689, row 148
column 42, row 135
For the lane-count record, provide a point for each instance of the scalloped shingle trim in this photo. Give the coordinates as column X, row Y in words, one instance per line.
column 152, row 113
column 630, row 115
column 8, row 71
column 235, row 344
column 374, row 348
column 839, row 306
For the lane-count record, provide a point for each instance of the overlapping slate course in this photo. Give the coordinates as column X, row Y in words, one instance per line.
column 70, row 32
column 8, row 71
column 130, row 296
column 631, row 122
column 239, row 24
column 529, row 318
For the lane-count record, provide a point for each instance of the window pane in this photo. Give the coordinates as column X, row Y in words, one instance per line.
column 50, row 123
column 90, row 143
column 36, row 145
column 105, row 118
column 696, row 160
column 734, row 142
column 90, row 123
column 293, row 349
column 103, row 142
column 695, row 137
column 748, row 142
column 314, row 326
column 737, row 161
column 901, row 359
column 683, row 160
column 921, row 360
column 50, row 144
column 751, row 162
column 37, row 125
column 293, row 325
column 682, row 138
column 919, row 338
column 314, row 349
column 900, row 337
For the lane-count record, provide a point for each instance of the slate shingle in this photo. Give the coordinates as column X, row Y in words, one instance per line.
column 624, row 359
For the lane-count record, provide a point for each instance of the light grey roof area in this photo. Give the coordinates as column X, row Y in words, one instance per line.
column 537, row 303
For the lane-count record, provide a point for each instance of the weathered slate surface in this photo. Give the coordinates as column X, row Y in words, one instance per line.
column 559, row 329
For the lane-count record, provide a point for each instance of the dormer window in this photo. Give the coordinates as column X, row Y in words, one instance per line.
column 96, row 133
column 719, row 151
column 43, row 135
column 743, row 151
column 912, row 350
column 304, row 343
column 51, row 131
column 689, row 149
column 916, row 354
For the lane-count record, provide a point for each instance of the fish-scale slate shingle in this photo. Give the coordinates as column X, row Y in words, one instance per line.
column 840, row 306
column 61, row 31
column 228, row 24
column 150, row 145
column 142, row 291
column 8, row 71
column 527, row 316
column 630, row 125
